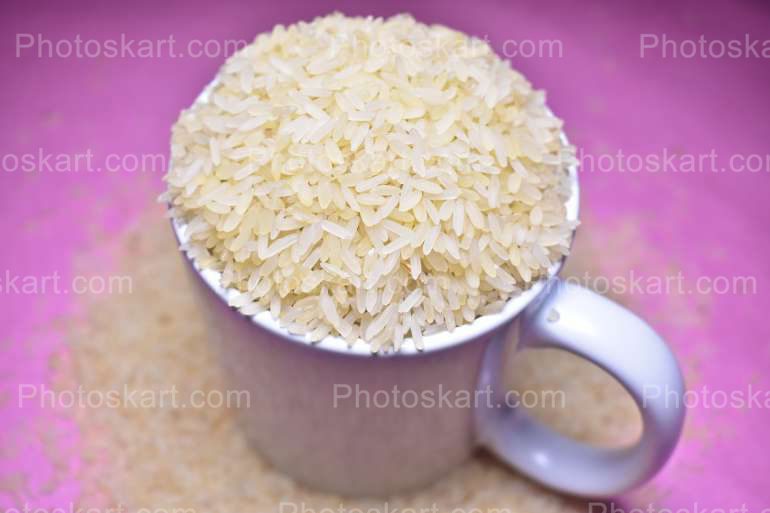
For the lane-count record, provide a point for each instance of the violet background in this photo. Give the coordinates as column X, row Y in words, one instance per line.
column 708, row 224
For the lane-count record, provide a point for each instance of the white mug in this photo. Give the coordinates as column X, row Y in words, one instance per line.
column 303, row 418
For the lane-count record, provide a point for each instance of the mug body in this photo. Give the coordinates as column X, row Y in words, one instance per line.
column 345, row 421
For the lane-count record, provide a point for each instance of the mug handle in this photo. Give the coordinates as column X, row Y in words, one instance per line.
column 582, row 322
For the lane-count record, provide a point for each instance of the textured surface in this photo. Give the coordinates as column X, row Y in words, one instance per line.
column 699, row 224
column 438, row 174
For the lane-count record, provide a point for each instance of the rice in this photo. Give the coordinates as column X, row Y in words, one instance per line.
column 373, row 179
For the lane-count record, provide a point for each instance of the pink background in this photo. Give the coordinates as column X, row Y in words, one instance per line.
column 703, row 224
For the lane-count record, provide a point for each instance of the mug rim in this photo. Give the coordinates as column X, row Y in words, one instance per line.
column 434, row 342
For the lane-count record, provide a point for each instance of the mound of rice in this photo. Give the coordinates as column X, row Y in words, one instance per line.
column 371, row 179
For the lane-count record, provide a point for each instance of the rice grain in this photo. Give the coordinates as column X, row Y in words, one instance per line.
column 371, row 178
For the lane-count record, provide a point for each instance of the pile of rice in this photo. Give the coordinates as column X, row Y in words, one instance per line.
column 372, row 179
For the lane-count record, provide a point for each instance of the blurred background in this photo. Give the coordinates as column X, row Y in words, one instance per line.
column 667, row 103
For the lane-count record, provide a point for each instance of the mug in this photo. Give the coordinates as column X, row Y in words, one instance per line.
column 306, row 416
